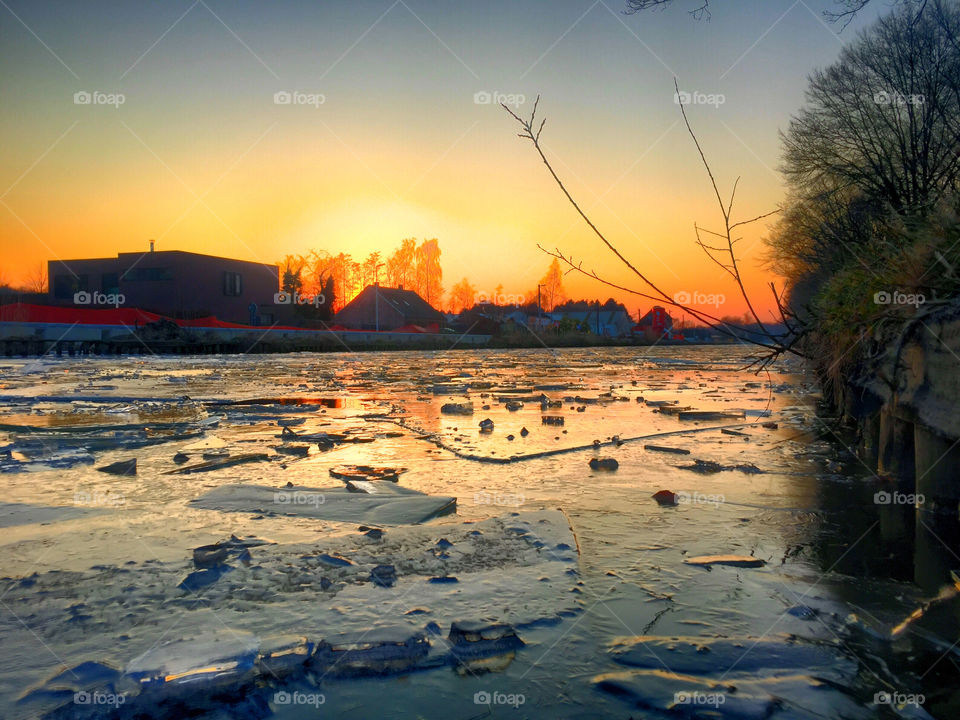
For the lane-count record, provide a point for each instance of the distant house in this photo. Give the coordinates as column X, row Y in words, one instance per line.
column 480, row 319
column 517, row 317
column 383, row 308
column 607, row 323
column 655, row 324
column 174, row 283
column 529, row 318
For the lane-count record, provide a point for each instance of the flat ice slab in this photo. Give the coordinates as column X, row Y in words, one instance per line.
column 398, row 508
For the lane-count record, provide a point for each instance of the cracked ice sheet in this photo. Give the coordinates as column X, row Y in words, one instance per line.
column 76, row 614
column 528, row 596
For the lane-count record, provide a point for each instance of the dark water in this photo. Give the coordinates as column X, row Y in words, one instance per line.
column 91, row 561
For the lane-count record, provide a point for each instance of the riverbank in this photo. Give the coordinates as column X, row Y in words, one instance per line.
column 898, row 391
column 70, row 340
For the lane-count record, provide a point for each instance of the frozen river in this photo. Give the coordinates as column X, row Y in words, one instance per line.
column 585, row 580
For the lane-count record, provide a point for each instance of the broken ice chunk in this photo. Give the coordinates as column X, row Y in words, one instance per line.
column 283, row 654
column 603, row 464
column 747, row 561
column 373, row 652
column 334, row 560
column 199, row 579
column 457, row 408
column 124, row 467
column 207, row 556
column 383, row 575
column 472, row 640
column 206, row 660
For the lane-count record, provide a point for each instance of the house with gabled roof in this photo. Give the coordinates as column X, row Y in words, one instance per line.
column 384, row 308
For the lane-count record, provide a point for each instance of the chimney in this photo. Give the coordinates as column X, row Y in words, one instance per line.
column 151, row 246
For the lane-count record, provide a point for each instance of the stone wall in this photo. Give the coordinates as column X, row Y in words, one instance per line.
column 906, row 400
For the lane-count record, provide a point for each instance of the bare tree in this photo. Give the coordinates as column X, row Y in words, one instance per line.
column 37, row 279
column 845, row 10
column 885, row 118
column 702, row 11
column 871, row 160
column 724, row 256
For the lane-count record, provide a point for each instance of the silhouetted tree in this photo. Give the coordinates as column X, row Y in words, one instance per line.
column 551, row 287
column 429, row 274
column 325, row 311
column 370, row 270
column 874, row 152
column 401, row 265
column 462, row 296
column 885, row 118
column 291, row 271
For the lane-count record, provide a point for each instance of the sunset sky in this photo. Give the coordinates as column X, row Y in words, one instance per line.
column 201, row 158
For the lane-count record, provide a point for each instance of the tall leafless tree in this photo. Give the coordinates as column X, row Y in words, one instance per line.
column 885, row 118
column 875, row 151
column 843, row 12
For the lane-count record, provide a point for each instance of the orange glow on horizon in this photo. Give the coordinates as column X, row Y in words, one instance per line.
column 400, row 147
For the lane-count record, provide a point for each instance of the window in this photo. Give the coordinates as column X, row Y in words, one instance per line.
column 109, row 283
column 232, row 284
column 64, row 286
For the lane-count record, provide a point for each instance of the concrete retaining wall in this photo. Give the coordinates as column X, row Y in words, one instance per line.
column 906, row 402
